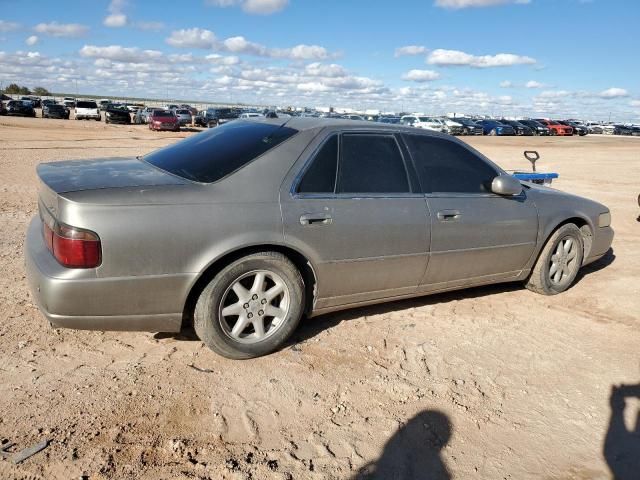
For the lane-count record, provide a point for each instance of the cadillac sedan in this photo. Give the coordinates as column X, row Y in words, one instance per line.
column 245, row 228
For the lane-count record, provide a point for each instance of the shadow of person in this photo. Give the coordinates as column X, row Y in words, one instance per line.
column 413, row 452
column 622, row 446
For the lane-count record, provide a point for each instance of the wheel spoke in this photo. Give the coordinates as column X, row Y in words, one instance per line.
column 258, row 326
column 276, row 312
column 241, row 292
column 558, row 276
column 568, row 243
column 553, row 269
column 233, row 309
column 258, row 283
column 559, row 249
column 274, row 291
column 571, row 255
column 239, row 327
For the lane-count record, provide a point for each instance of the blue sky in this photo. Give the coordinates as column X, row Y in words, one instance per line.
column 568, row 58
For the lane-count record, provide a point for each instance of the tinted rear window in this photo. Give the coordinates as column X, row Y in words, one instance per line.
column 163, row 114
column 86, row 105
column 215, row 153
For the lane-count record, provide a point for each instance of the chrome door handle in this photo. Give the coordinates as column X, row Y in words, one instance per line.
column 449, row 215
column 316, row 219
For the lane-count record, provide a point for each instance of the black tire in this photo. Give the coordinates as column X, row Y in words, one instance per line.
column 206, row 320
column 540, row 279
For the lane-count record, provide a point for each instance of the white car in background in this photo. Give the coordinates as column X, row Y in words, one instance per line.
column 87, row 109
column 250, row 115
column 453, row 127
column 427, row 123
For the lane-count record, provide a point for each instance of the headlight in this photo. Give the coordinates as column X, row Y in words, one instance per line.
column 604, row 220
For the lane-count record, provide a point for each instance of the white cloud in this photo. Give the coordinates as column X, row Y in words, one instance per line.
column 534, row 84
column 256, row 7
column 506, row 84
column 32, row 40
column 192, row 38
column 323, row 70
column 56, row 29
column 635, row 103
column 8, row 26
column 116, row 17
column 457, row 4
column 421, row 75
column 410, row 50
column 115, row 20
column 614, row 92
column 554, row 94
column 206, row 39
column 457, row 58
column 120, row 54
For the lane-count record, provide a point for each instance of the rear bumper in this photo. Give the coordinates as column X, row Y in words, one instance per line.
column 78, row 298
column 170, row 127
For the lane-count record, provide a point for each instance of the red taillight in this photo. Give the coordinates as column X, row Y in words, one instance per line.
column 73, row 247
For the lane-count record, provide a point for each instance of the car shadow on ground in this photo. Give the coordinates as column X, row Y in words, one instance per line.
column 622, row 445
column 309, row 328
column 413, row 451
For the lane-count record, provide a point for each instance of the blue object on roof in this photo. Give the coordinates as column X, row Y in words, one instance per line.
column 532, row 176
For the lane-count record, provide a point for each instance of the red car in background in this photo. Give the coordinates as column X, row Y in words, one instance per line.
column 556, row 128
column 164, row 120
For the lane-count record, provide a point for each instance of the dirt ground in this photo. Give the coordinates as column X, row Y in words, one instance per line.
column 491, row 383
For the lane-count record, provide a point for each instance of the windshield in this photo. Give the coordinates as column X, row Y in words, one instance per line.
column 425, row 119
column 214, row 154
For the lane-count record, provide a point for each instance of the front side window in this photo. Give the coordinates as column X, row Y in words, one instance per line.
column 444, row 166
column 371, row 164
column 321, row 175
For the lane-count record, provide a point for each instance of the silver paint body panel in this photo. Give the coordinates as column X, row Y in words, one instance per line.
column 160, row 233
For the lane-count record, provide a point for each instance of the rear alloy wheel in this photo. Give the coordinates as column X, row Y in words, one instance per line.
column 559, row 262
column 251, row 307
column 493, row 132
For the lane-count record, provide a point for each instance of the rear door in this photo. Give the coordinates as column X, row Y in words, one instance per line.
column 354, row 212
column 476, row 235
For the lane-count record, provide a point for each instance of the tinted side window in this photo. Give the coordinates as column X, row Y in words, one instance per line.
column 371, row 164
column 445, row 166
column 321, row 175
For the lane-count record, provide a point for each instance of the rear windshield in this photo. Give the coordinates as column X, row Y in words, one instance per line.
column 56, row 107
column 183, row 112
column 160, row 113
column 215, row 153
column 86, row 105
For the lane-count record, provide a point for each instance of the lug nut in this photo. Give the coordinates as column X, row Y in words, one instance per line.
column 263, row 301
column 261, row 312
column 250, row 315
column 246, row 305
column 255, row 297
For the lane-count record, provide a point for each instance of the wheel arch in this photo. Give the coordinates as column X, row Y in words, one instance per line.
column 301, row 262
column 586, row 229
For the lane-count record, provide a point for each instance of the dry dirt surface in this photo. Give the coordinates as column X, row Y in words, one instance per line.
column 490, row 383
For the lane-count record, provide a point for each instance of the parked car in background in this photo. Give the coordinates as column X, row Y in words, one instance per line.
column 494, row 127
column 427, row 123
column 184, row 116
column 212, row 117
column 469, row 127
column 245, row 264
column 520, row 128
column 617, row 129
column 577, row 128
column 192, row 110
column 536, row 127
column 55, row 110
column 3, row 109
column 20, row 108
column 47, row 101
column 352, row 116
column 251, row 115
column 142, row 115
column 163, row 120
column 69, row 102
column 555, row 128
column 87, row 109
column 389, row 120
column 114, row 113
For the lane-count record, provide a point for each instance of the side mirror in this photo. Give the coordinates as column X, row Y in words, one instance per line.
column 506, row 185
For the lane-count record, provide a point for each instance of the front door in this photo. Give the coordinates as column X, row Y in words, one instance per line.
column 476, row 235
